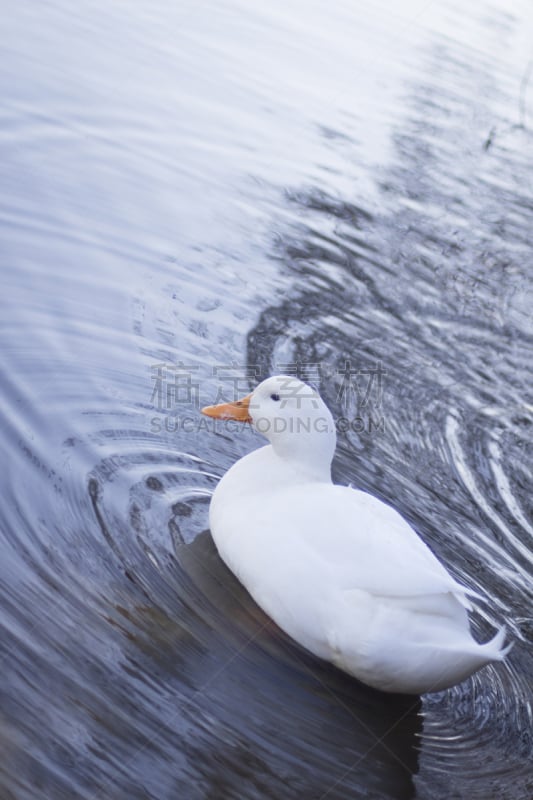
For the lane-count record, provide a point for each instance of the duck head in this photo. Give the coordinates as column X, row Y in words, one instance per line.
column 291, row 415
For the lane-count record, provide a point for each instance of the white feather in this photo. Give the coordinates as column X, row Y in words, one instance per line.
column 339, row 570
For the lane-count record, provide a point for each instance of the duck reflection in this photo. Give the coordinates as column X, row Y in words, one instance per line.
column 281, row 722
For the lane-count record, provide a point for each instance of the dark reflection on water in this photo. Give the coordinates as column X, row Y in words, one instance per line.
column 133, row 664
column 267, row 717
column 432, row 290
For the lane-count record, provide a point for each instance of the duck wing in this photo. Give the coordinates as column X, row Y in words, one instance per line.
column 366, row 544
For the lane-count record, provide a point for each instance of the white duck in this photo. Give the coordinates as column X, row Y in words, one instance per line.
column 337, row 569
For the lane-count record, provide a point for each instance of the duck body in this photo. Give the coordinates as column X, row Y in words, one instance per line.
column 337, row 569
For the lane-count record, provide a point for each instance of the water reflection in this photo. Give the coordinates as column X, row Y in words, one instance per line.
column 273, row 718
column 423, row 290
column 334, row 730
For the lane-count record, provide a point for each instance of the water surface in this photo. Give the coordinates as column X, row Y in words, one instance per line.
column 196, row 196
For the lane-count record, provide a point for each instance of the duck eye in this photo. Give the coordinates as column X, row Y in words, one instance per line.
column 275, row 397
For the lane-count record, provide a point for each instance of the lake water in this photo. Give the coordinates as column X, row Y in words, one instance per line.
column 196, row 195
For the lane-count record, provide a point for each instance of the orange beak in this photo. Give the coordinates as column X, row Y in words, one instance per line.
column 238, row 410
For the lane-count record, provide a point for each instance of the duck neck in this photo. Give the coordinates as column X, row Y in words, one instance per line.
column 305, row 459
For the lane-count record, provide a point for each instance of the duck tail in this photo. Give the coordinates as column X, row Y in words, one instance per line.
column 464, row 596
column 494, row 647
